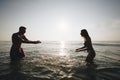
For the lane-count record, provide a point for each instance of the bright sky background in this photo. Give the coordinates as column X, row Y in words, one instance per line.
column 61, row 20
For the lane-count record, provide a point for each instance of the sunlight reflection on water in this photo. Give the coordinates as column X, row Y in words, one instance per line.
column 62, row 47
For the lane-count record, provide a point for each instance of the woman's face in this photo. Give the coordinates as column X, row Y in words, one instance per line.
column 81, row 34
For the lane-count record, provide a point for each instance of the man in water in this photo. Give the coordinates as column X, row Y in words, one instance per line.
column 16, row 52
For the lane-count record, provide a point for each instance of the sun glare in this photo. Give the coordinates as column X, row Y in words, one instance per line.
column 63, row 26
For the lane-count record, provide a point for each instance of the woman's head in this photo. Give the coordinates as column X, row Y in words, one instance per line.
column 84, row 33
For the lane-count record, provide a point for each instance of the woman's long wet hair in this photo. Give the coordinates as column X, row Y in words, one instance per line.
column 84, row 33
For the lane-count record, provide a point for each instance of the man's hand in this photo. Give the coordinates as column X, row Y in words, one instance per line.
column 36, row 42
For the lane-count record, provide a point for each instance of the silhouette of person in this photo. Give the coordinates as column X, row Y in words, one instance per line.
column 18, row 38
column 87, row 46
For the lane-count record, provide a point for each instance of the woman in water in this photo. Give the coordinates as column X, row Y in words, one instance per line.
column 87, row 46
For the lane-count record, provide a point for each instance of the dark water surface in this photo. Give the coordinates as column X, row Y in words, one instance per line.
column 59, row 61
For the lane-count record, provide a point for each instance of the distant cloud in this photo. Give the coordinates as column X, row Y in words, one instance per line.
column 111, row 24
column 115, row 24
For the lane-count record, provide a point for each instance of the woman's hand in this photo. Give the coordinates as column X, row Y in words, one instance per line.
column 78, row 50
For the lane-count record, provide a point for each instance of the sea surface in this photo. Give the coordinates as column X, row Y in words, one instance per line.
column 57, row 60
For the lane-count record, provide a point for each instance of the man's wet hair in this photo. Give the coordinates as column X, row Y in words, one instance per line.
column 22, row 28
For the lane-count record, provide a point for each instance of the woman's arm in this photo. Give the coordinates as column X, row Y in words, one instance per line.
column 81, row 49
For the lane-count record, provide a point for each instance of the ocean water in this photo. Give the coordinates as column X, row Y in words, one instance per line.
column 54, row 60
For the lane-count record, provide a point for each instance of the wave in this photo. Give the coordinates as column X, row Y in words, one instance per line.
column 107, row 44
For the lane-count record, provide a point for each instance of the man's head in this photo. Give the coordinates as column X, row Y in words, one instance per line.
column 22, row 29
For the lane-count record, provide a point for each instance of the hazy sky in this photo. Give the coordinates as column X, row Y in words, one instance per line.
column 61, row 19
